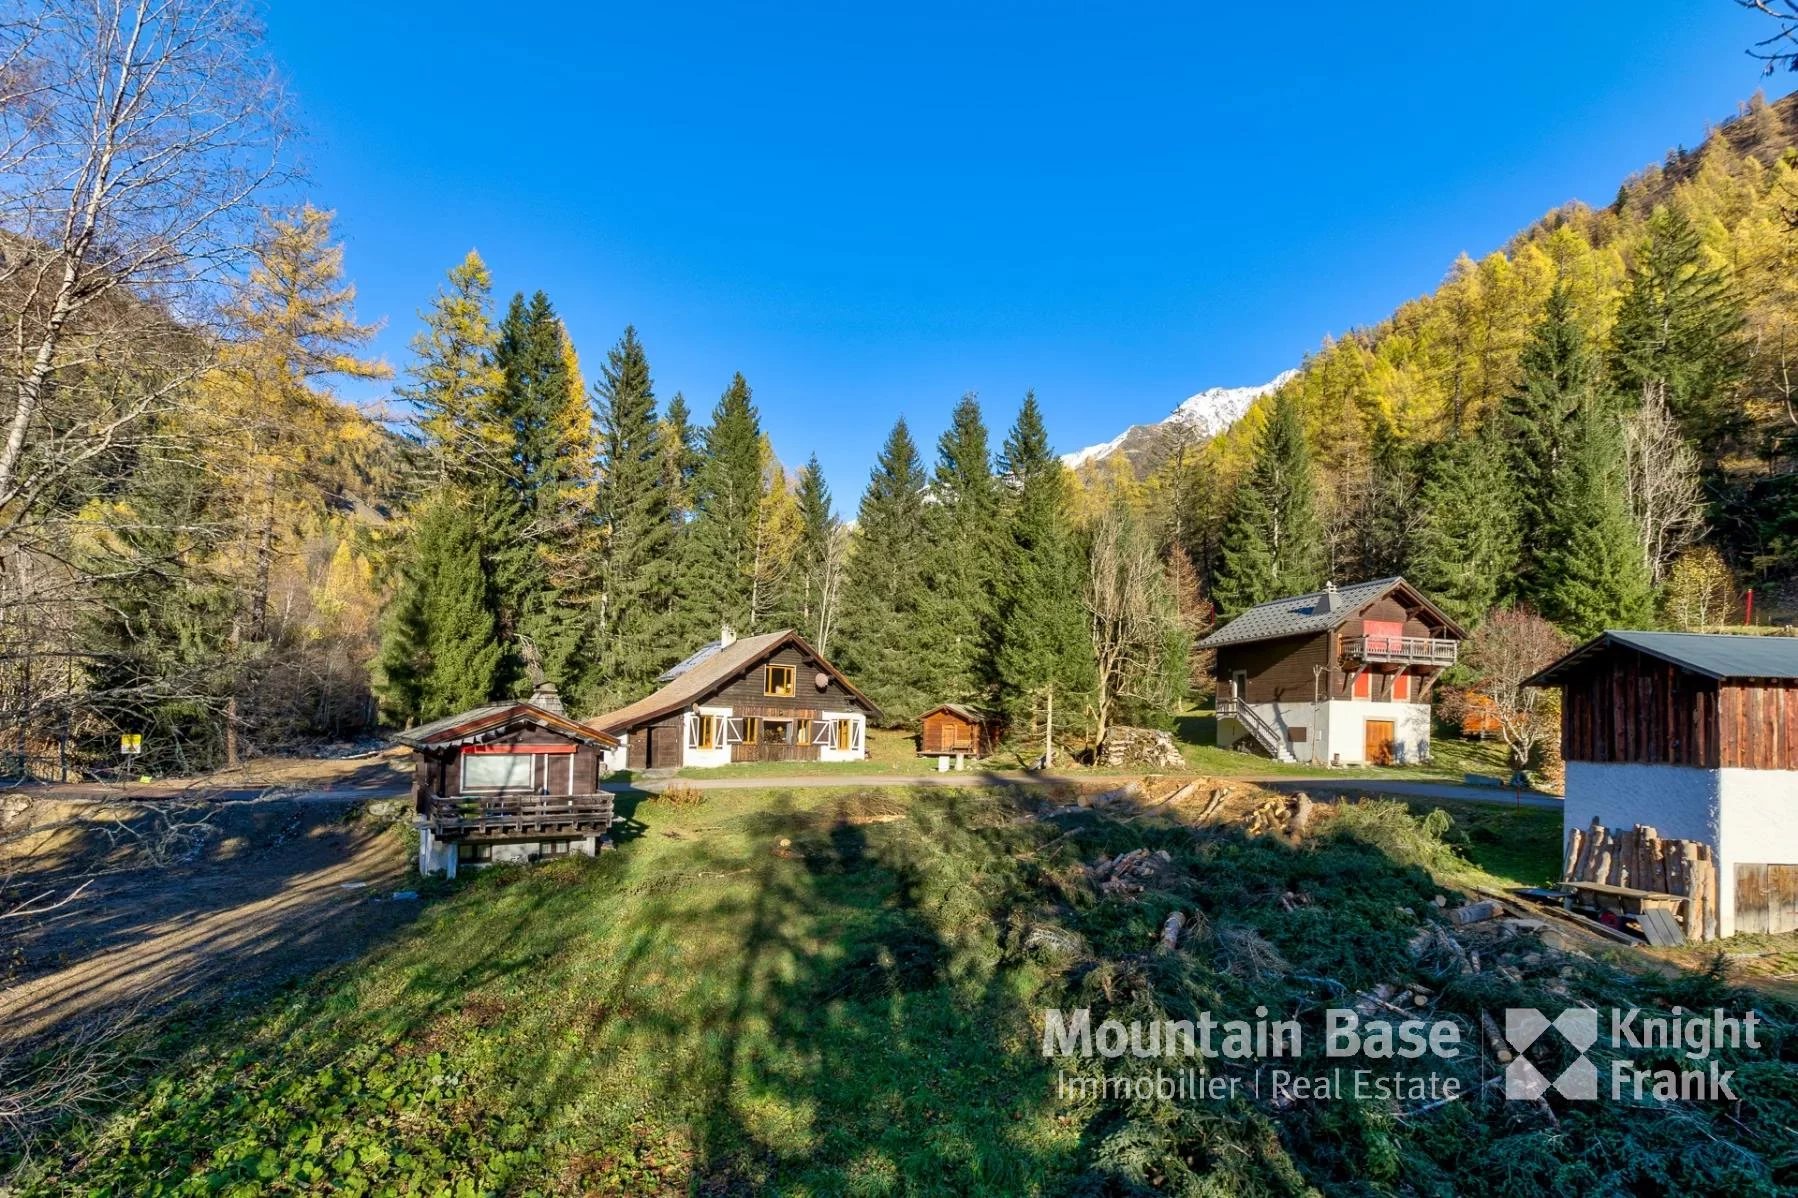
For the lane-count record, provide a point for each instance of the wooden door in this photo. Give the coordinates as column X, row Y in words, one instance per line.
column 1767, row 898
column 1379, row 742
column 664, row 746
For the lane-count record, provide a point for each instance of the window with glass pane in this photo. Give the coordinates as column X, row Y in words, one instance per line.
column 779, row 681
column 496, row 771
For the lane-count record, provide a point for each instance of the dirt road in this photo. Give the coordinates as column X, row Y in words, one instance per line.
column 271, row 890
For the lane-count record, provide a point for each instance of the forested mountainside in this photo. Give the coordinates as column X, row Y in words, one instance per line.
column 202, row 543
column 1628, row 369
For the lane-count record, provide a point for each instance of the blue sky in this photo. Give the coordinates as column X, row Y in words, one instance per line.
column 869, row 210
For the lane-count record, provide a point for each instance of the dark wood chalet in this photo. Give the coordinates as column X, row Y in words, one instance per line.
column 1696, row 736
column 758, row 698
column 1337, row 677
column 955, row 730
column 508, row 782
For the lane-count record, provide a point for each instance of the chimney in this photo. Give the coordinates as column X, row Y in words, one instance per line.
column 1331, row 599
column 726, row 636
column 544, row 695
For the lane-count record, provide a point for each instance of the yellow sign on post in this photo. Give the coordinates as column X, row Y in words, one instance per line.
column 131, row 743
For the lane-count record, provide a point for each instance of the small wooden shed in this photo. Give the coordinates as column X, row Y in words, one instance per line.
column 954, row 730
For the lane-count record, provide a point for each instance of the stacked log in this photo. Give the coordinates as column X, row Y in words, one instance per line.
column 1125, row 747
column 1641, row 859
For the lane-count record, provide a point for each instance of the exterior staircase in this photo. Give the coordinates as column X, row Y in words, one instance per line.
column 1265, row 734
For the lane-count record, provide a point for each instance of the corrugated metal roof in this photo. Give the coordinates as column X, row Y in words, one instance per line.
column 1300, row 615
column 707, row 674
column 1718, row 655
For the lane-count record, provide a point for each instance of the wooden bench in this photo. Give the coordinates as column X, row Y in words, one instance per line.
column 1658, row 915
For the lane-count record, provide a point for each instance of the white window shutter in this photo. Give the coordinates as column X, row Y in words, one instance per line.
column 824, row 733
column 733, row 730
column 855, row 734
column 692, row 722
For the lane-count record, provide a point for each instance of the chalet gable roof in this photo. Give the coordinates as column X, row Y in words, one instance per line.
column 711, row 668
column 1717, row 655
column 1302, row 615
column 960, row 711
column 483, row 723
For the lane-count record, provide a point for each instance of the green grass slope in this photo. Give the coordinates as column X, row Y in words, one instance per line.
column 840, row 993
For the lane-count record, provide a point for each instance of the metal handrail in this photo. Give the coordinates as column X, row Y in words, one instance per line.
column 1269, row 736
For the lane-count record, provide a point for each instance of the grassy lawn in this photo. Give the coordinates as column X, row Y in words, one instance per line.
column 1504, row 846
column 1451, row 757
column 894, row 751
column 840, row 992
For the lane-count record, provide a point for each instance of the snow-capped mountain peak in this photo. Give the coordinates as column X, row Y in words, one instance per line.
column 1202, row 416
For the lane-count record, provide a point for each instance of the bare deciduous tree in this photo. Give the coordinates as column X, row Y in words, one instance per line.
column 1134, row 622
column 1510, row 646
column 1779, row 49
column 134, row 138
column 1664, row 492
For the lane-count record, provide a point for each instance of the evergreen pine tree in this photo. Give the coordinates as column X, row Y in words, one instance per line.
column 1272, row 543
column 1464, row 551
column 815, row 599
column 1560, row 376
column 1042, row 653
column 884, row 591
column 964, row 522
column 1679, row 326
column 455, row 381
column 1593, row 574
column 541, row 529
column 633, row 633
column 440, row 652
column 719, row 542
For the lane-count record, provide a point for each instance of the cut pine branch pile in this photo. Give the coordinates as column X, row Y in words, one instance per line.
column 1641, row 859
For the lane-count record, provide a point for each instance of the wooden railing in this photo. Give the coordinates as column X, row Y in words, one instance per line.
column 518, row 815
column 1407, row 650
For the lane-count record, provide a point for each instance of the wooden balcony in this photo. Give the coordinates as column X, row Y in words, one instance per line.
column 1402, row 650
column 502, row 817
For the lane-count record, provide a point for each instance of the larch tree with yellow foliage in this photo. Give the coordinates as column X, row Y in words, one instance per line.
column 456, row 381
column 276, row 423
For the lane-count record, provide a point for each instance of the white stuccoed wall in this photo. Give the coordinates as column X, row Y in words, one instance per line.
column 1344, row 729
column 1747, row 816
column 1340, row 726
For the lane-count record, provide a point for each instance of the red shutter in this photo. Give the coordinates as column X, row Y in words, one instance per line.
column 1401, row 688
column 1363, row 685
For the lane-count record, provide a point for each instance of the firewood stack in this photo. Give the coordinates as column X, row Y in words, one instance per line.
column 1640, row 859
column 1151, row 748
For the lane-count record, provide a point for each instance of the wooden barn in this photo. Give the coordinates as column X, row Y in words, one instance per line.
column 1696, row 736
column 512, row 781
column 1340, row 676
column 953, row 730
column 755, row 698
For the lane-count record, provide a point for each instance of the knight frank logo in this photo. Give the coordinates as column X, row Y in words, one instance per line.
column 1578, row 1026
column 1615, row 1034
